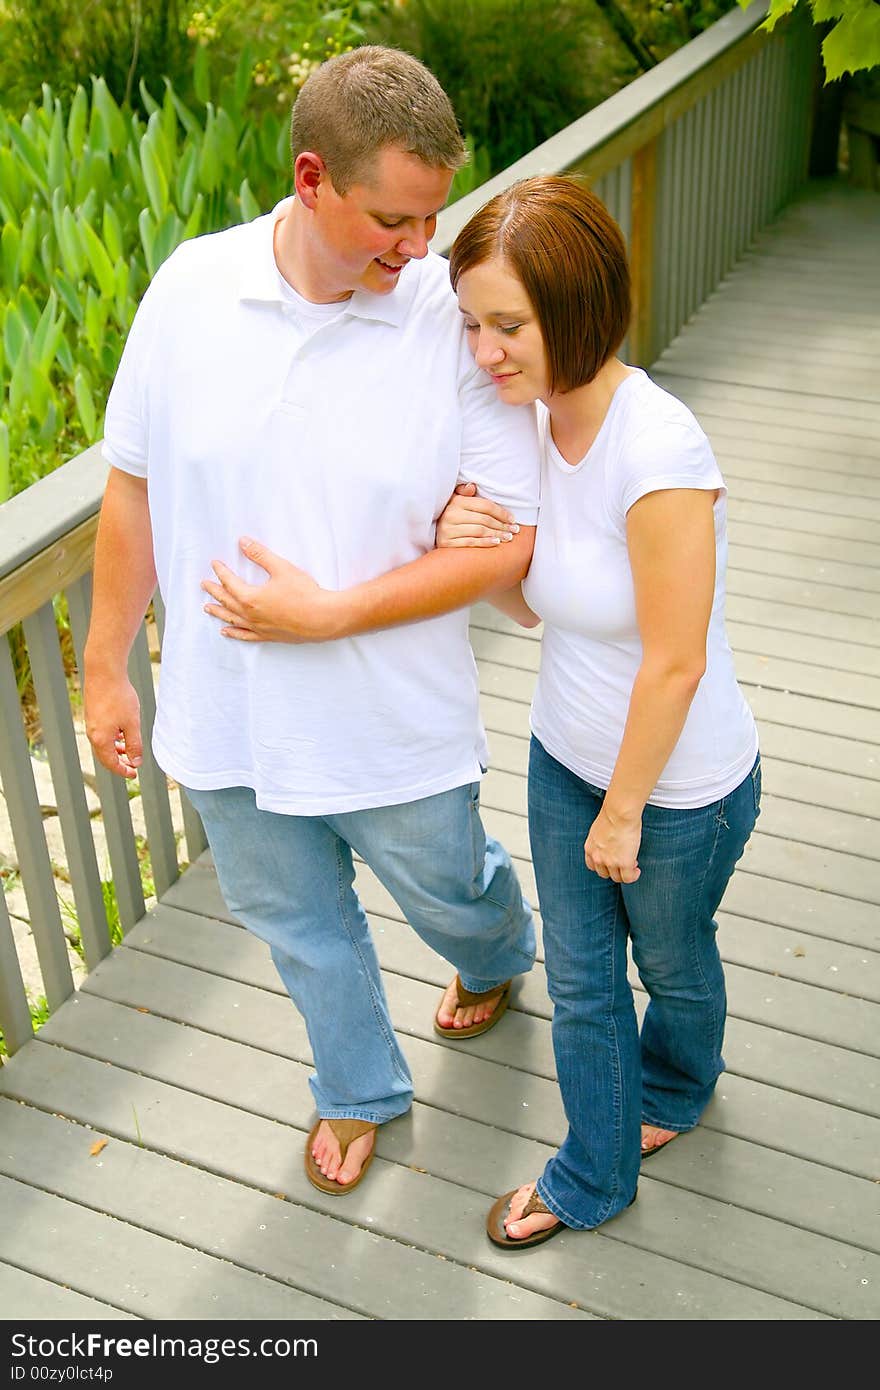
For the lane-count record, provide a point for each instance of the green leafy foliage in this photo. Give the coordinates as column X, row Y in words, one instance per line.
column 93, row 198
column 853, row 43
column 516, row 70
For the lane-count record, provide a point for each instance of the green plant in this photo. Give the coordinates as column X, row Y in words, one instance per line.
column 127, row 41
column 93, row 199
column 516, row 70
column 852, row 43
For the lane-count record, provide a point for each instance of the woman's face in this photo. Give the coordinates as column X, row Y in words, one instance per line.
column 503, row 332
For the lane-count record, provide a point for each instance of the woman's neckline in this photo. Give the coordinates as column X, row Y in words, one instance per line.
column 634, row 373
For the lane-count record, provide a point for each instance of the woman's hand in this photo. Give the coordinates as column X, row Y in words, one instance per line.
column 289, row 607
column 471, row 520
column 612, row 846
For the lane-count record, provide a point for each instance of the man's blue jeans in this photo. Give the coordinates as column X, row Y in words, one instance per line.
column 612, row 1079
column 289, row 879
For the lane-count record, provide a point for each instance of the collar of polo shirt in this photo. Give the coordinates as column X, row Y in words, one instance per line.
column 259, row 280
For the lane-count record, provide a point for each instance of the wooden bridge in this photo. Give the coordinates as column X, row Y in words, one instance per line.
column 759, row 305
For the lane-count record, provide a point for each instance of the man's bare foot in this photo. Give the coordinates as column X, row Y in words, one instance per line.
column 538, row 1221
column 326, row 1154
column 449, row 1016
column 654, row 1139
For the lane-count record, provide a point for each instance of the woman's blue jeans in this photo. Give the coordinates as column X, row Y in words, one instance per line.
column 611, row 1078
column 290, row 879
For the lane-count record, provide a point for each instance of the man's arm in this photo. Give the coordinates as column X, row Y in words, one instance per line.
column 291, row 607
column 124, row 581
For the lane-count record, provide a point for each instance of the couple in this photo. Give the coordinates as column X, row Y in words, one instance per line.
column 309, row 386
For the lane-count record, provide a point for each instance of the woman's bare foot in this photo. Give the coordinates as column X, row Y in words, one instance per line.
column 654, row 1139
column 538, row 1221
column 326, row 1154
column 449, row 1016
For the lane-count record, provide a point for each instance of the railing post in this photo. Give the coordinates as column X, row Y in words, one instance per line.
column 644, row 188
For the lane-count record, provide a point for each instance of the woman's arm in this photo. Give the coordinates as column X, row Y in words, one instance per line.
column 671, row 543
column 470, row 520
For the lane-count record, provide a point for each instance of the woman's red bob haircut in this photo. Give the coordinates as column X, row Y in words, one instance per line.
column 565, row 247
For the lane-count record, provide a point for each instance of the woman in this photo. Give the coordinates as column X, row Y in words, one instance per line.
column 644, row 774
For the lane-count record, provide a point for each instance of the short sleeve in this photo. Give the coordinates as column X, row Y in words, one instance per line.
column 665, row 454
column 499, row 447
column 126, row 431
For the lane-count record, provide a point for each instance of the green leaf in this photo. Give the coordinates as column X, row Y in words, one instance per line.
column 68, row 296
column 147, row 229
column 250, row 208
column 169, row 234
column 111, row 228
column 85, row 404
column 77, row 122
column 10, row 253
column 154, row 178
column 854, row 44
column 190, row 123
column 241, row 86
column 29, row 230
column 39, row 393
column 4, row 461
column 31, row 160
column 227, row 137
column 45, row 327
column 201, row 75
column 110, row 115
column 72, row 253
column 20, row 381
column 12, row 183
column 95, row 320
column 210, row 167
column 187, row 177
column 150, row 103
column 56, row 163
column 100, row 262
column 194, row 221
column 64, row 353
column 94, row 176
column 775, row 12
column 15, row 335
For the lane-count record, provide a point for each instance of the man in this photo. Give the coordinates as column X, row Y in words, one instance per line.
column 303, row 379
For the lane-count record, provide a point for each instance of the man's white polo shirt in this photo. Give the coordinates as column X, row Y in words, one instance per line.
column 337, row 441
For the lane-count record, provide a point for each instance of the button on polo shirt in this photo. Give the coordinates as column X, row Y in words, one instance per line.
column 336, row 438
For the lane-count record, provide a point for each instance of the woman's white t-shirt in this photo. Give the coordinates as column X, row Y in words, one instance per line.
column 580, row 583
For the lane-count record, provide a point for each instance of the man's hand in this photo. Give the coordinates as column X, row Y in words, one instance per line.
column 113, row 724
column 471, row 520
column 612, row 847
column 289, row 607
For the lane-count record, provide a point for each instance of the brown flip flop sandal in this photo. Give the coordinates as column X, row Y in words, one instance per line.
column 465, row 997
column 346, row 1132
column 495, row 1223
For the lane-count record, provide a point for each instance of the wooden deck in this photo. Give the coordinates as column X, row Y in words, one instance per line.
column 183, row 1053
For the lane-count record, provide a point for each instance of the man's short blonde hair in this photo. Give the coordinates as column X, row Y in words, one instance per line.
column 358, row 103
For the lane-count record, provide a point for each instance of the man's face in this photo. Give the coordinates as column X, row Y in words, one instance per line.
column 367, row 236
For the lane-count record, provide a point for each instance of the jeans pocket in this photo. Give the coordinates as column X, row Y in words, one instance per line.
column 756, row 785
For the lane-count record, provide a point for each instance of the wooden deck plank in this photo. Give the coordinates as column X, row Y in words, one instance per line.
column 142, row 1274
column 794, row 1062
column 400, row 1202
column 26, row 1298
column 339, row 1262
column 390, row 1206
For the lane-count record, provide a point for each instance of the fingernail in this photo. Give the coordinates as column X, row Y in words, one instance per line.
column 514, row 528
column 507, row 536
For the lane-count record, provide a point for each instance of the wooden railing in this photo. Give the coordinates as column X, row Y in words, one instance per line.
column 692, row 159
